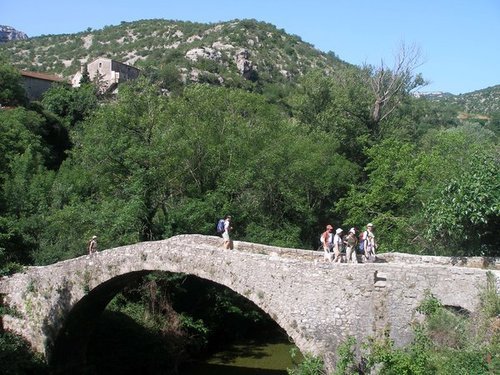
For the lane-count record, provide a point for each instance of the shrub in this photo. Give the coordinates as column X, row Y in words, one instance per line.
column 311, row 365
column 490, row 299
column 16, row 356
column 346, row 359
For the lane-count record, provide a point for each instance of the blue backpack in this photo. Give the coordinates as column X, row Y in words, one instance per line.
column 220, row 226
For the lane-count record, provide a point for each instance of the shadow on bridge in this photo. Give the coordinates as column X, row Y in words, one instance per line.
column 68, row 354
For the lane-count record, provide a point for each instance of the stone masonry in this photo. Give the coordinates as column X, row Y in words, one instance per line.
column 318, row 304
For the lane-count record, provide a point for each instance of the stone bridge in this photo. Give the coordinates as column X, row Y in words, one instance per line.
column 318, row 304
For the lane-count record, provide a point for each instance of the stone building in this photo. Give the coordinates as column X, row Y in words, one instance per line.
column 107, row 72
column 35, row 84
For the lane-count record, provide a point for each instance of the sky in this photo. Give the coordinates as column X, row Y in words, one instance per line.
column 459, row 40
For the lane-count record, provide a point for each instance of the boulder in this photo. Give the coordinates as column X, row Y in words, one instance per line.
column 244, row 65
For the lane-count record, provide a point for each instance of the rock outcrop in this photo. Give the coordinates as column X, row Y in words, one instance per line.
column 244, row 65
column 203, row 53
column 8, row 33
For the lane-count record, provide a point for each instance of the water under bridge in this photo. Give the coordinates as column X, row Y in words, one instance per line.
column 319, row 304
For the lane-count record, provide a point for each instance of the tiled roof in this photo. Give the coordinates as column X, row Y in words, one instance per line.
column 46, row 77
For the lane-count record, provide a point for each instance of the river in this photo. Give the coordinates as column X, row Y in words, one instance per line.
column 265, row 356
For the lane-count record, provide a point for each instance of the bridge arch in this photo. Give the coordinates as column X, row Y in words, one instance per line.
column 68, row 352
column 67, row 348
column 317, row 304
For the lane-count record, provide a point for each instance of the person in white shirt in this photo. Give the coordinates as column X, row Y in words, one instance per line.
column 370, row 243
column 337, row 245
column 228, row 243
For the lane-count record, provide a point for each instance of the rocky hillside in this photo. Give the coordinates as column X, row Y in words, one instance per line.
column 229, row 53
column 239, row 49
column 485, row 101
column 477, row 104
column 8, row 33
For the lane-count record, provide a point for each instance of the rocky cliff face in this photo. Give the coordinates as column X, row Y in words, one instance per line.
column 8, row 33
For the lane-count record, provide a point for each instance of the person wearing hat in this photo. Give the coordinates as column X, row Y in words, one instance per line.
column 327, row 242
column 352, row 242
column 337, row 245
column 370, row 244
column 92, row 245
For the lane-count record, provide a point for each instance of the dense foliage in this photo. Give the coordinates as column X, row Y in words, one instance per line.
column 283, row 156
column 16, row 357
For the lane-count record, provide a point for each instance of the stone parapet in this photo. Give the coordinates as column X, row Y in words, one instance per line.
column 473, row 262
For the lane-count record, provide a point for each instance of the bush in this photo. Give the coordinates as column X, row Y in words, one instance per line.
column 490, row 300
column 16, row 357
column 346, row 363
column 412, row 360
column 460, row 362
column 309, row 366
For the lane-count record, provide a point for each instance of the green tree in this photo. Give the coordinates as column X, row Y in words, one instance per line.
column 405, row 185
column 24, row 182
column 466, row 214
column 85, row 76
column 271, row 174
column 389, row 197
column 72, row 105
column 11, row 89
column 494, row 123
column 338, row 105
column 120, row 157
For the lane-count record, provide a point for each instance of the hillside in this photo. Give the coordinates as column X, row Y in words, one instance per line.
column 219, row 52
column 485, row 101
column 230, row 53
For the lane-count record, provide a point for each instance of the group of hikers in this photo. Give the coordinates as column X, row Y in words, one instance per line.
column 335, row 245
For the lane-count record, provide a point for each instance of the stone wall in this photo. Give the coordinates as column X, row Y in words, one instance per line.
column 474, row 262
column 318, row 304
column 35, row 88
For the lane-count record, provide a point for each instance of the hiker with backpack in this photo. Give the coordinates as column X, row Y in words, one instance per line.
column 223, row 228
column 327, row 242
column 219, row 227
column 351, row 241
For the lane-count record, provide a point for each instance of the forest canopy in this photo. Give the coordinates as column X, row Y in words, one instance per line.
column 146, row 166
